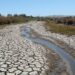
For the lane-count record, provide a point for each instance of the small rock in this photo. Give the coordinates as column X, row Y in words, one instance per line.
column 12, row 69
column 2, row 73
column 1, row 63
column 38, row 64
column 4, row 65
column 2, row 69
column 24, row 73
column 36, row 69
column 10, row 74
column 33, row 73
column 29, row 69
column 20, row 67
column 43, row 73
column 18, row 72
column 8, row 63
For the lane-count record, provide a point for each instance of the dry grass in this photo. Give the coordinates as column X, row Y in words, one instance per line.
column 59, row 28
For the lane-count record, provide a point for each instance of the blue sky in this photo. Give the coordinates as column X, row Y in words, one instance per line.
column 38, row 7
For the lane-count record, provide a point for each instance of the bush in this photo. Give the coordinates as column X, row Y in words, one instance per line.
column 58, row 28
column 13, row 19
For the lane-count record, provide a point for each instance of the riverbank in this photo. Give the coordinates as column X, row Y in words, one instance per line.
column 21, row 56
column 64, row 41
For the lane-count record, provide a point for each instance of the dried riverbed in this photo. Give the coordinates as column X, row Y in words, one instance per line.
column 20, row 56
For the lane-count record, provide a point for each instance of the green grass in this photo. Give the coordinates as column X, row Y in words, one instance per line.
column 60, row 28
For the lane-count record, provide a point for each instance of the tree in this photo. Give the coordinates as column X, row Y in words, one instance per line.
column 9, row 15
column 0, row 14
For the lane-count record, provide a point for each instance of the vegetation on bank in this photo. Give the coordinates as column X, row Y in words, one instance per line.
column 60, row 28
column 63, row 25
column 9, row 19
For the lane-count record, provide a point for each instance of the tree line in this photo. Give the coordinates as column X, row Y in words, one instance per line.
column 9, row 19
column 70, row 20
column 24, row 18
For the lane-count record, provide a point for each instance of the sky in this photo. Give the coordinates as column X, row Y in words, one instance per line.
column 38, row 7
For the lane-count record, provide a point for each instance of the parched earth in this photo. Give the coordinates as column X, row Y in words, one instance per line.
column 20, row 56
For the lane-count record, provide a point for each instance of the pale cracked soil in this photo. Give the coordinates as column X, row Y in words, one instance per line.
column 20, row 56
